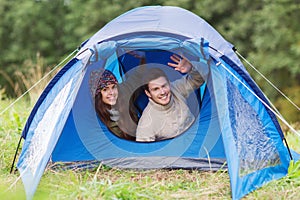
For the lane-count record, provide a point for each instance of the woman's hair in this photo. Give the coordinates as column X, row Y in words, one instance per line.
column 102, row 109
column 106, row 78
column 104, row 115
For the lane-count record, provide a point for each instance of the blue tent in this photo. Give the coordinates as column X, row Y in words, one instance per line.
column 234, row 124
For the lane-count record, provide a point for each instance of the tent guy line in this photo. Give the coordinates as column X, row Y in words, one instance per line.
column 274, row 110
column 263, row 102
column 274, row 86
column 38, row 82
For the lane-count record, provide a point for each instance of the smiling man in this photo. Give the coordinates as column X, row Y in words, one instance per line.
column 167, row 114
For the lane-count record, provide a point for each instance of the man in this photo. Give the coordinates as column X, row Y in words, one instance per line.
column 167, row 114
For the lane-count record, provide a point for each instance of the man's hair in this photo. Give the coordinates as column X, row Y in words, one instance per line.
column 152, row 74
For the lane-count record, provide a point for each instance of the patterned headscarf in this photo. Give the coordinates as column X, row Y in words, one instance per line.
column 105, row 79
column 96, row 81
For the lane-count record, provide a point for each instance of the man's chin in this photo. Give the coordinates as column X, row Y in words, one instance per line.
column 164, row 102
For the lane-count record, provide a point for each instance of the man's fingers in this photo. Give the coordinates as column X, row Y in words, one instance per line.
column 172, row 65
column 175, row 58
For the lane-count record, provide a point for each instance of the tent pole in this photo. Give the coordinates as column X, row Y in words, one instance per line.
column 288, row 148
column 13, row 163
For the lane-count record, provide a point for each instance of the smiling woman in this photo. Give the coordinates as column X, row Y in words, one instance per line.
column 106, row 96
column 107, row 88
column 110, row 94
column 114, row 101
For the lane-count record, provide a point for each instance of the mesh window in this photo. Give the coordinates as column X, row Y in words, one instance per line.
column 255, row 148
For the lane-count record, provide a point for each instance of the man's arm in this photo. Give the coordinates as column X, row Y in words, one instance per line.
column 189, row 82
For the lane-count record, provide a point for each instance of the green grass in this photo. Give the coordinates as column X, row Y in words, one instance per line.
column 108, row 183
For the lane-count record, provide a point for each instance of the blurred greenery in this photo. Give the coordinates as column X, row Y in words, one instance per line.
column 266, row 32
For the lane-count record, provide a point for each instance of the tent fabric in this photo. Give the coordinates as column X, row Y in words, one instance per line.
column 160, row 19
column 46, row 126
column 232, row 127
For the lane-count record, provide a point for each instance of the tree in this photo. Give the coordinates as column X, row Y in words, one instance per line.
column 265, row 32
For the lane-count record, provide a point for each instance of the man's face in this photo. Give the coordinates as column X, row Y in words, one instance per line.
column 159, row 91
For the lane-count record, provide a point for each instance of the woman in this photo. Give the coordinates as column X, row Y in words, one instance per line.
column 115, row 103
column 108, row 105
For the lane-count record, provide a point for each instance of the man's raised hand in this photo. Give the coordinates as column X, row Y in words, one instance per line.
column 180, row 64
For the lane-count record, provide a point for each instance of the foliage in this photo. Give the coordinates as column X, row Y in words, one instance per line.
column 265, row 32
column 268, row 35
column 34, row 80
column 285, row 188
column 286, row 108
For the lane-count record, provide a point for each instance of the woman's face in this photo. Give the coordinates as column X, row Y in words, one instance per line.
column 110, row 94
